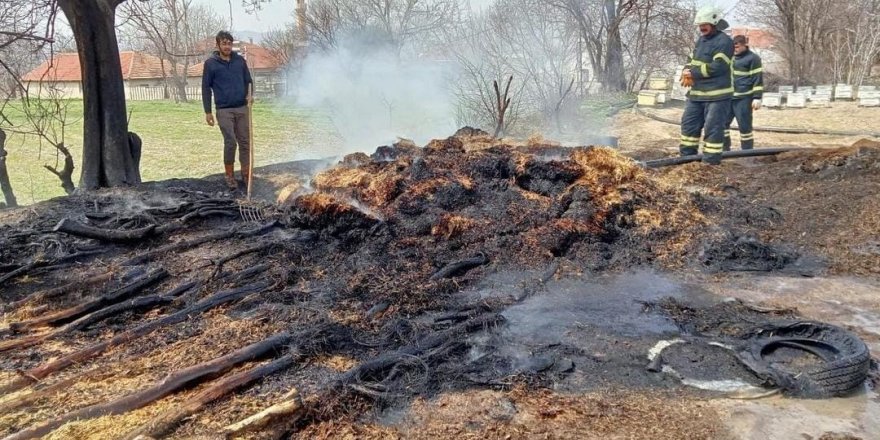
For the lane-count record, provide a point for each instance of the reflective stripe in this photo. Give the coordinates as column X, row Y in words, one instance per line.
column 748, row 72
column 704, row 69
column 712, row 92
column 689, row 144
column 690, row 138
column 697, row 63
column 754, row 90
column 711, row 147
column 723, row 57
column 747, row 137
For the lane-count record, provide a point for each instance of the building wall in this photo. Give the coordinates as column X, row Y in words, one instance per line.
column 62, row 89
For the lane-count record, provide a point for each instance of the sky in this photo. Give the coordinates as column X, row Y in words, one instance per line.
column 277, row 13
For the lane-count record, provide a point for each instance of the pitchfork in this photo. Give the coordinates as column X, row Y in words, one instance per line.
column 250, row 211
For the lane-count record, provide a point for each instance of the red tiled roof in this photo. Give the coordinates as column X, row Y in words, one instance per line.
column 758, row 38
column 135, row 65
column 63, row 67
column 258, row 57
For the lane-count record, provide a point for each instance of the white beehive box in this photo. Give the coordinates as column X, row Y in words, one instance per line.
column 825, row 90
column 785, row 91
column 821, row 95
column 662, row 97
column 869, row 99
column 863, row 89
column 796, row 100
column 772, row 100
column 843, row 91
column 819, row 101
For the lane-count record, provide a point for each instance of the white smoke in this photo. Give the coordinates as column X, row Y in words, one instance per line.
column 373, row 97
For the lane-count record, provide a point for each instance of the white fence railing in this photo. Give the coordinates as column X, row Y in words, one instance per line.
column 158, row 93
column 193, row 93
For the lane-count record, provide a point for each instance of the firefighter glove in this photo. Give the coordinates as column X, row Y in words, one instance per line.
column 687, row 78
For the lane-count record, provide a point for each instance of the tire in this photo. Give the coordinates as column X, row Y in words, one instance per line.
column 844, row 367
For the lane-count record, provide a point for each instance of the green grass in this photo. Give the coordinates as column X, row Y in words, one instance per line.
column 177, row 143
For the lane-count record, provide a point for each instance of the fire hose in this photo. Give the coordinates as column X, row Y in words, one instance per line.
column 670, row 161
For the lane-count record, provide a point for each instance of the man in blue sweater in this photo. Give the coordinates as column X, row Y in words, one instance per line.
column 709, row 75
column 227, row 77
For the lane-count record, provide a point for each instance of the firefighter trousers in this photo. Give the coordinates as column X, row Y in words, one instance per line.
column 710, row 117
column 742, row 111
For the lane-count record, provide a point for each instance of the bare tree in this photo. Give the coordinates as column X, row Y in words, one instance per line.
column 394, row 23
column 658, row 34
column 822, row 40
column 599, row 23
column 284, row 43
column 176, row 32
column 23, row 41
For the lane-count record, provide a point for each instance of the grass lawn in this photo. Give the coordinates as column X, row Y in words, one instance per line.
column 177, row 143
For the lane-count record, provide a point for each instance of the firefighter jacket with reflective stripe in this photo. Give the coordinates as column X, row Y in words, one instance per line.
column 710, row 65
column 748, row 76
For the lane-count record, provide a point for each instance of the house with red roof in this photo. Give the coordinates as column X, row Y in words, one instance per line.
column 145, row 76
column 61, row 76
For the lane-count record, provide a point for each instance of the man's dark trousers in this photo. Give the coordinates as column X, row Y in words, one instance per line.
column 712, row 116
column 742, row 111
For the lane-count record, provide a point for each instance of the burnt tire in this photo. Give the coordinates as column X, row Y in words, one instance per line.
column 844, row 366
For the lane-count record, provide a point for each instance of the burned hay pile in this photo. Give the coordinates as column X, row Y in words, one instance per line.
column 132, row 312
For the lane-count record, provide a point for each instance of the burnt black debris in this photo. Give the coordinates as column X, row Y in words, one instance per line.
column 382, row 246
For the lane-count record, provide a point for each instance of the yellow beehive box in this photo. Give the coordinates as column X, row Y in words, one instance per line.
column 658, row 83
column 648, row 98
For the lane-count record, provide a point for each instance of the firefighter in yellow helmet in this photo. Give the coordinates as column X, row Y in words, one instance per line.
column 709, row 75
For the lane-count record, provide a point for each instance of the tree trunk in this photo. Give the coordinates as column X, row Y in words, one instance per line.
column 5, row 186
column 614, row 79
column 107, row 158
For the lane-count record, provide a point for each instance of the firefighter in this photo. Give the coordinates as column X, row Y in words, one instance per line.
column 710, row 77
column 748, row 84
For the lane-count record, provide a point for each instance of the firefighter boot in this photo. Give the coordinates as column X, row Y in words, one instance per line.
column 712, row 158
